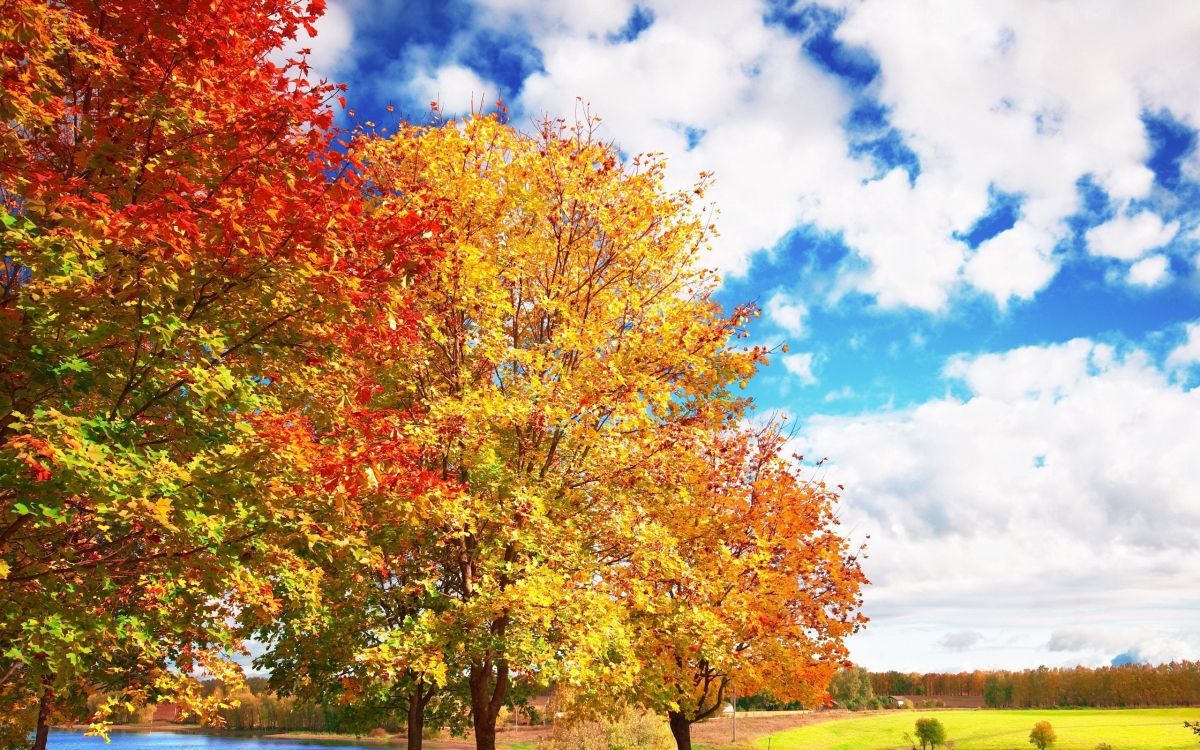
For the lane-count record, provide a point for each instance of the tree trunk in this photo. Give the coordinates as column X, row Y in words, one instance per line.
column 43, row 718
column 681, row 730
column 416, row 719
column 488, row 689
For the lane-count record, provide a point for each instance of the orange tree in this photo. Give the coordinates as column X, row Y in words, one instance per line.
column 756, row 589
column 182, row 255
column 566, row 337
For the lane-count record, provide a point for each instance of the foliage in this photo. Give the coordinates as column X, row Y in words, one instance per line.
column 851, row 688
column 630, row 729
column 442, row 418
column 1042, row 735
column 735, row 597
column 565, row 338
column 182, row 254
column 931, row 732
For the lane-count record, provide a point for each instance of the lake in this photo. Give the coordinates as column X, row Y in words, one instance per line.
column 177, row 741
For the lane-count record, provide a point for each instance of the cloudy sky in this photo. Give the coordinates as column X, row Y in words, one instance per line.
column 976, row 225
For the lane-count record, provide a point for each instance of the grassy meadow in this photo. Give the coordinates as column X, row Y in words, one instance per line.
column 1129, row 729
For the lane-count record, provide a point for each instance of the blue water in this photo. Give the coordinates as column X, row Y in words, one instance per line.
column 175, row 741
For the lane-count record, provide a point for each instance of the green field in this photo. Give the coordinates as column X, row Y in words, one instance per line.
column 1133, row 729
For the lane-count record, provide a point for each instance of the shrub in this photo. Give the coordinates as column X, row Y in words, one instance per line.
column 1104, row 746
column 632, row 730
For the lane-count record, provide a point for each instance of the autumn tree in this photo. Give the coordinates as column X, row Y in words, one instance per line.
column 930, row 732
column 755, row 585
column 182, row 253
column 1042, row 735
column 567, row 335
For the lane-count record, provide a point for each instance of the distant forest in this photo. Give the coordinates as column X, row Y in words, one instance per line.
column 1126, row 686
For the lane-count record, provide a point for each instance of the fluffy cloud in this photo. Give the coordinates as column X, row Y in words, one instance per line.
column 455, row 88
column 800, row 366
column 987, row 98
column 1130, row 237
column 1187, row 353
column 1150, row 271
column 787, row 312
column 1056, row 493
column 1014, row 264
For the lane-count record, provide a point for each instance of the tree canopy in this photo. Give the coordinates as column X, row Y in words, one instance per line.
column 1042, row 735
column 442, row 418
column 930, row 732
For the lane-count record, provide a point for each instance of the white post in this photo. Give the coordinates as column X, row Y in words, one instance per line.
column 734, row 686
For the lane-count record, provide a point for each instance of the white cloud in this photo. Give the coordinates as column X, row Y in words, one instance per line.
column 455, row 88
column 787, row 312
column 1187, row 353
column 1029, row 372
column 1029, row 98
column 573, row 16
column 1016, row 263
column 1150, row 271
column 800, row 366
column 1029, row 118
column 1057, row 494
column 1130, row 237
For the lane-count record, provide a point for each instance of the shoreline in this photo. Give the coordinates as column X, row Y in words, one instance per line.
column 517, row 735
column 326, row 738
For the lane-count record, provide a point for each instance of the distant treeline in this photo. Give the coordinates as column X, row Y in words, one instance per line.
column 258, row 708
column 1174, row 684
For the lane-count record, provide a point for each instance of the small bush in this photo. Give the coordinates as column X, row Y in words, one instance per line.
column 632, row 730
column 1104, row 746
column 378, row 732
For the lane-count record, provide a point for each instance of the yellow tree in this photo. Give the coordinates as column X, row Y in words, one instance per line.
column 568, row 337
column 758, row 589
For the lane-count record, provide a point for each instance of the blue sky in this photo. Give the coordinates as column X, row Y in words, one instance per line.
column 977, row 228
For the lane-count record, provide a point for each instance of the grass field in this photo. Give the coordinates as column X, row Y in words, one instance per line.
column 1133, row 729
